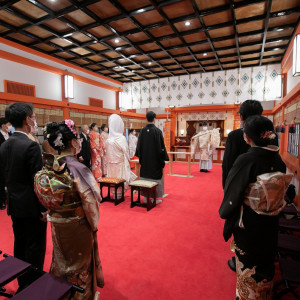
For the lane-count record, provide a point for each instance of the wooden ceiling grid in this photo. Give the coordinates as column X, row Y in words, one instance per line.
column 144, row 39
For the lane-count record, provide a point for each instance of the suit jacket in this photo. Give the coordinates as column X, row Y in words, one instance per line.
column 151, row 152
column 2, row 139
column 20, row 160
column 235, row 146
column 85, row 150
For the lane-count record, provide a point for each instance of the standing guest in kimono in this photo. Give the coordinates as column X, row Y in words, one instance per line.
column 132, row 143
column 206, row 141
column 152, row 154
column 97, row 151
column 85, row 154
column 118, row 153
column 67, row 188
column 255, row 230
column 104, row 137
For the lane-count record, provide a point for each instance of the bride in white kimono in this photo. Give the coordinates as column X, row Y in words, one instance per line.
column 117, row 153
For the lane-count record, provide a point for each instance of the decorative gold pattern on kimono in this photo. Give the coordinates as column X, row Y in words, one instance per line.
column 246, row 286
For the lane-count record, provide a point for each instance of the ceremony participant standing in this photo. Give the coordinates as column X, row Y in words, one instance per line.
column 132, row 143
column 118, row 153
column 97, row 151
column 236, row 145
column 84, row 155
column 20, row 159
column 104, row 137
column 152, row 154
column 253, row 197
column 73, row 211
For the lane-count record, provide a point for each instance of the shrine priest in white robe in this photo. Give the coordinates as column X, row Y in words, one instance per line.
column 118, row 153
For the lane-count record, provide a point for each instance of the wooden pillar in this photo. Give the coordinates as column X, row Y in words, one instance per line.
column 173, row 127
column 117, row 100
column 167, row 135
column 236, row 121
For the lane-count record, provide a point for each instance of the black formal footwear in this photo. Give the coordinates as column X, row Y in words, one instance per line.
column 201, row 170
column 232, row 265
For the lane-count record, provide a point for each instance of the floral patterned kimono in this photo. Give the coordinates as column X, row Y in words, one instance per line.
column 97, row 154
column 69, row 191
column 104, row 137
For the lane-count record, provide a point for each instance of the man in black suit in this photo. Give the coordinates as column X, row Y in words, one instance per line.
column 85, row 154
column 5, row 128
column 20, row 159
column 236, row 145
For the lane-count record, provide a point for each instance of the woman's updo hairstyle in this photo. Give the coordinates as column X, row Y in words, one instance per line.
column 260, row 130
column 93, row 125
column 60, row 134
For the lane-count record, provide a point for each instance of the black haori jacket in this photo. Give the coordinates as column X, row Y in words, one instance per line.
column 151, row 152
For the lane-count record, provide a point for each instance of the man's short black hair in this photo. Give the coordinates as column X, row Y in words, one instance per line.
column 3, row 121
column 150, row 116
column 250, row 108
column 17, row 113
column 131, row 130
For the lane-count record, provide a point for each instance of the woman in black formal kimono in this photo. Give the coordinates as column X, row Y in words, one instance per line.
column 255, row 231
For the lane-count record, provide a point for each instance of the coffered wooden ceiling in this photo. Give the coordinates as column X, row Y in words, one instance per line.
column 130, row 40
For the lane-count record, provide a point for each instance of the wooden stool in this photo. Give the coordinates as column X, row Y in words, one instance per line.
column 144, row 185
column 115, row 183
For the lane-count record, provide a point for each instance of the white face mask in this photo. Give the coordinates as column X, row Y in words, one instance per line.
column 204, row 128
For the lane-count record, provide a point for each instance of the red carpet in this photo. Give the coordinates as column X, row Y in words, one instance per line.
column 175, row 251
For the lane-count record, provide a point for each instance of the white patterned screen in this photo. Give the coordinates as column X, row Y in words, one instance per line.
column 222, row 87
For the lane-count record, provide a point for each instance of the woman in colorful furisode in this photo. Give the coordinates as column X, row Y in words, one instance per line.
column 104, row 137
column 253, row 197
column 68, row 189
column 97, row 151
column 118, row 153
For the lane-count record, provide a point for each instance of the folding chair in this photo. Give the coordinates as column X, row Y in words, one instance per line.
column 11, row 268
column 290, row 272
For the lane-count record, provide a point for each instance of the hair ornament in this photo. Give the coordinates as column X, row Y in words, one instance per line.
column 268, row 135
column 58, row 141
column 71, row 125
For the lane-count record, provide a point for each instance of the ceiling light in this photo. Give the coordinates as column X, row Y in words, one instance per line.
column 187, row 23
column 275, row 49
column 149, row 63
column 69, row 34
column 281, row 14
column 140, row 10
column 279, row 29
column 204, row 54
column 68, row 41
column 117, row 41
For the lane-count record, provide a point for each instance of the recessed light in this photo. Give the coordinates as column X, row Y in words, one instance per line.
column 149, row 63
column 204, row 54
column 187, row 23
column 117, row 41
column 68, row 41
column 140, row 10
column 275, row 49
column 279, row 29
